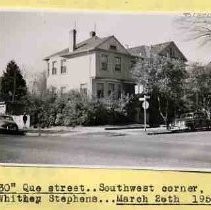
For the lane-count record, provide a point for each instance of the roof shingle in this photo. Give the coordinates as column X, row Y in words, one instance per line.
column 146, row 51
column 83, row 46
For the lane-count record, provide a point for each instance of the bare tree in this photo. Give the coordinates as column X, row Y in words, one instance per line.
column 39, row 84
column 195, row 27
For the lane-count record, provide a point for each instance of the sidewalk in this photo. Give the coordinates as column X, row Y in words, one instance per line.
column 78, row 130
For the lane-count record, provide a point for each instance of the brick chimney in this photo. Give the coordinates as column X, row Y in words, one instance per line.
column 92, row 34
column 72, row 40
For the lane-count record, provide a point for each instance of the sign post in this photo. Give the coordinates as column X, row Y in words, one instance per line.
column 145, row 106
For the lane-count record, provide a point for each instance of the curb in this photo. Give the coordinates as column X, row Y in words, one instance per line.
column 162, row 132
column 125, row 127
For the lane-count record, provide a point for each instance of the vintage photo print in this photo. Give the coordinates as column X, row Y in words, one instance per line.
column 101, row 89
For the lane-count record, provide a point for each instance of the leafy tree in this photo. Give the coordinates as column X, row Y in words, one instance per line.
column 199, row 87
column 164, row 79
column 13, row 85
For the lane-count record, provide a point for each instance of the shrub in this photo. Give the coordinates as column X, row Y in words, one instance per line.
column 77, row 109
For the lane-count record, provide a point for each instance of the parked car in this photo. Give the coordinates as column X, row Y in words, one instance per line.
column 192, row 121
column 7, row 123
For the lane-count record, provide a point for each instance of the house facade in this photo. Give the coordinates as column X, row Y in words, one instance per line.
column 98, row 67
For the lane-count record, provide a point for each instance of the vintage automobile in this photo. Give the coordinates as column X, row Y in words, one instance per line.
column 7, row 123
column 192, row 121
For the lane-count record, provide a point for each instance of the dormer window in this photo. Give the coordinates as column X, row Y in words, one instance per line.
column 113, row 47
column 171, row 51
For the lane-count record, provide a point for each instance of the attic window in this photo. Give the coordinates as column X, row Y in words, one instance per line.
column 113, row 47
column 171, row 52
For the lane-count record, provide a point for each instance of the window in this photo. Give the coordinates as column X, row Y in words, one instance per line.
column 104, row 62
column 132, row 63
column 63, row 66
column 111, row 89
column 63, row 90
column 119, row 91
column 199, row 115
column 53, row 90
column 117, row 64
column 54, row 70
column 171, row 52
column 83, row 89
column 100, row 90
column 113, row 47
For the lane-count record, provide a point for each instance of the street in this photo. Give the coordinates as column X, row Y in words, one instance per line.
column 124, row 148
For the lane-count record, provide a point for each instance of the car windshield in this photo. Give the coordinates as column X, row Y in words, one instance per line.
column 187, row 115
column 199, row 115
column 6, row 118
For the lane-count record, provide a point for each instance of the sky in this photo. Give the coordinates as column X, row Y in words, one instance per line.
column 29, row 36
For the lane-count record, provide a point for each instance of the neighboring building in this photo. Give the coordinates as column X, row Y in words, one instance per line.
column 98, row 67
column 167, row 49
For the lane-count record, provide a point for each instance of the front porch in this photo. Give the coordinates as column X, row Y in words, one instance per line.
column 112, row 89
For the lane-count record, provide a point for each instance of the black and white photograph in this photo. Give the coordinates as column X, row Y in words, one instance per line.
column 102, row 89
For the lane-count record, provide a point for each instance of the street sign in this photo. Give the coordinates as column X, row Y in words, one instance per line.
column 145, row 105
column 141, row 99
column 138, row 89
column 146, row 97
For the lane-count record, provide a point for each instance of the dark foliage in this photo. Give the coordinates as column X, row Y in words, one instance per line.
column 13, row 86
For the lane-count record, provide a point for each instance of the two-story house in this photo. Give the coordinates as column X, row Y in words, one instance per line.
column 98, row 67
